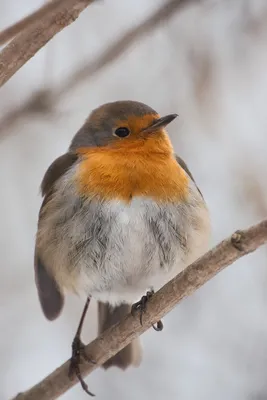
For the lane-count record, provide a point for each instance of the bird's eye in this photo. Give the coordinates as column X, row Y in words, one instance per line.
column 122, row 132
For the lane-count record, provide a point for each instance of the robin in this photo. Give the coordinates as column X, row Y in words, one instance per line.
column 121, row 216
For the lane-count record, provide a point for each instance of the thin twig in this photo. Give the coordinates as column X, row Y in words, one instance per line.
column 114, row 51
column 12, row 30
column 121, row 334
column 25, row 45
column 41, row 102
column 119, row 47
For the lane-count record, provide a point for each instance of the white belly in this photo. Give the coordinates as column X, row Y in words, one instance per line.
column 116, row 251
column 148, row 245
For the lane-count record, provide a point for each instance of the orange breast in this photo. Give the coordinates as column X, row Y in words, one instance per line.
column 124, row 172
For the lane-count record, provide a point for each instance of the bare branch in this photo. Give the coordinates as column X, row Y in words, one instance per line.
column 119, row 47
column 40, row 102
column 121, row 334
column 25, row 45
column 11, row 31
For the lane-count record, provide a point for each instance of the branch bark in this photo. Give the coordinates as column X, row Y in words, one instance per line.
column 13, row 30
column 25, row 45
column 121, row 334
column 118, row 48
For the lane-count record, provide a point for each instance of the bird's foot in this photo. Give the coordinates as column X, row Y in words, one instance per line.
column 78, row 352
column 159, row 326
column 140, row 307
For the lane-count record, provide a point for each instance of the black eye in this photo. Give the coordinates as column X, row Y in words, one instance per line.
column 122, row 132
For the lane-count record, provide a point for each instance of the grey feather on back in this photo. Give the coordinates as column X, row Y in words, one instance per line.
column 50, row 297
column 185, row 168
column 56, row 170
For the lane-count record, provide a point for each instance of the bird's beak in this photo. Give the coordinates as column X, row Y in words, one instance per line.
column 160, row 123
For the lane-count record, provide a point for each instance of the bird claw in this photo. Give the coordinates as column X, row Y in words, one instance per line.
column 140, row 307
column 78, row 352
column 158, row 327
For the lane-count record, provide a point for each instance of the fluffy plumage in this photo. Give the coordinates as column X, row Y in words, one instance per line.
column 121, row 216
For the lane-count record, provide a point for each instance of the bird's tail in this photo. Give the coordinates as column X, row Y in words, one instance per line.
column 131, row 354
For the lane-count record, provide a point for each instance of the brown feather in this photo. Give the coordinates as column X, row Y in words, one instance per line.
column 186, row 169
column 56, row 170
column 50, row 297
column 131, row 354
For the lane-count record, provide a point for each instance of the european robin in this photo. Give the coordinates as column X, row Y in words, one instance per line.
column 121, row 216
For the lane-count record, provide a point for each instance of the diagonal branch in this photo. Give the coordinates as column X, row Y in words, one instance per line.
column 114, row 51
column 12, row 30
column 121, row 334
column 120, row 46
column 25, row 45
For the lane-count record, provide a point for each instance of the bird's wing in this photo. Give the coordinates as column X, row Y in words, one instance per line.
column 51, row 299
column 185, row 168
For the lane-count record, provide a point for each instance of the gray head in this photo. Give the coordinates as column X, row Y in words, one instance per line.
column 120, row 120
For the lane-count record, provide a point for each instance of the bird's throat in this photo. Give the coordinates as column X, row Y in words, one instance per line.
column 126, row 172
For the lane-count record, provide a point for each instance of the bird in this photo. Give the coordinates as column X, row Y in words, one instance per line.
column 121, row 216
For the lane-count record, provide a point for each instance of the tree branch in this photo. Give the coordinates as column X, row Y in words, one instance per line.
column 121, row 334
column 118, row 48
column 24, row 23
column 25, row 45
column 86, row 72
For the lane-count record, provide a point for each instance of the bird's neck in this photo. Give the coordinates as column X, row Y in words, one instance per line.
column 147, row 168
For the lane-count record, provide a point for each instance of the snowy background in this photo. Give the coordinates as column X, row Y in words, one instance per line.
column 208, row 63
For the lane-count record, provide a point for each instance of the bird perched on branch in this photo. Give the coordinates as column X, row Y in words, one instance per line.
column 121, row 216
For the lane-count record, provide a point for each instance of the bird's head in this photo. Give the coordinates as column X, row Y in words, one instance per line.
column 122, row 124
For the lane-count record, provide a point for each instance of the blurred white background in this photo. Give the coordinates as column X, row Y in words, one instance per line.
column 208, row 63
